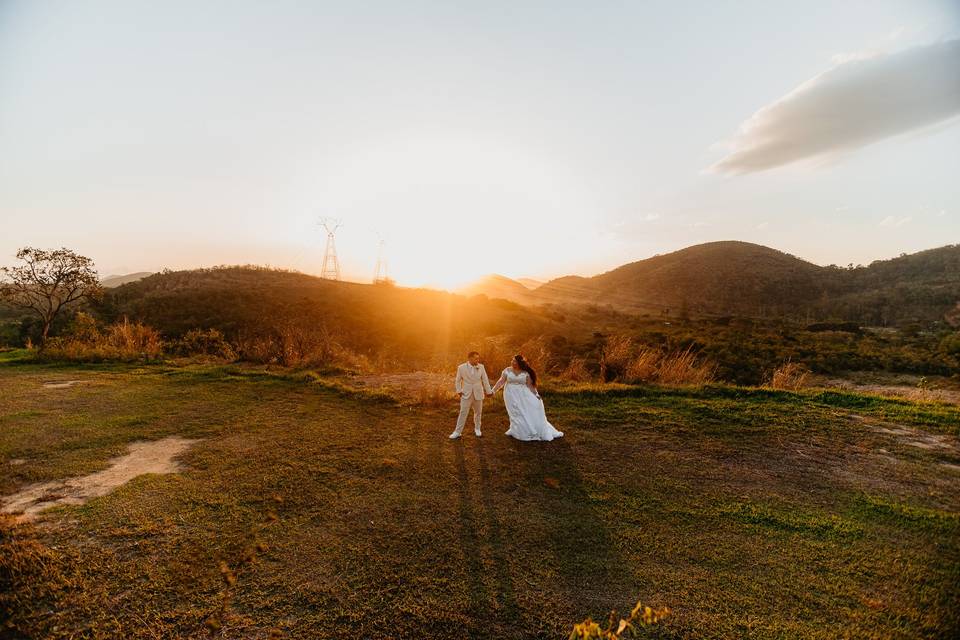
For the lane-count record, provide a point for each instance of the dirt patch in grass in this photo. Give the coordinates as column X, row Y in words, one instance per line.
column 909, row 435
column 60, row 384
column 910, row 387
column 407, row 383
column 144, row 457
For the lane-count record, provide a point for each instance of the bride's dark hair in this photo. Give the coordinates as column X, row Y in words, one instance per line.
column 525, row 366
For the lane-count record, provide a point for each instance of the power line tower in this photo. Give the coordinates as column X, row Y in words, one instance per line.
column 380, row 274
column 331, row 265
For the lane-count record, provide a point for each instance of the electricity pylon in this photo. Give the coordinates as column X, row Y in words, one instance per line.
column 380, row 274
column 331, row 265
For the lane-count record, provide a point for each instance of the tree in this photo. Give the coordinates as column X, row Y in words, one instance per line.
column 48, row 281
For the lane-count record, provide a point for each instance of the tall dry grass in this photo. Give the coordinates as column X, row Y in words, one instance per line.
column 290, row 344
column 622, row 360
column 615, row 357
column 643, row 366
column 576, row 370
column 684, row 367
column 789, row 376
column 125, row 341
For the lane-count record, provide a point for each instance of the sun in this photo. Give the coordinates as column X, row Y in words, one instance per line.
column 451, row 206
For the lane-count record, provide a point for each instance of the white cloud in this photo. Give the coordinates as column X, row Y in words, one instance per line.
column 855, row 103
column 763, row 225
column 890, row 221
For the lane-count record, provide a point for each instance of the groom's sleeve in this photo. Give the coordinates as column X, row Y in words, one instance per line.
column 486, row 380
column 458, row 384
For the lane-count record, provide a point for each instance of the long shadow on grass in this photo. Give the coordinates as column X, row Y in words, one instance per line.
column 470, row 538
column 576, row 539
column 506, row 598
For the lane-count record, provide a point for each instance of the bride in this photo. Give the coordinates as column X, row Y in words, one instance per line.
column 528, row 420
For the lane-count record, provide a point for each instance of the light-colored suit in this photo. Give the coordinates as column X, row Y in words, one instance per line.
column 473, row 383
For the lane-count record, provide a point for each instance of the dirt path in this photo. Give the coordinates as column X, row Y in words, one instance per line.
column 144, row 457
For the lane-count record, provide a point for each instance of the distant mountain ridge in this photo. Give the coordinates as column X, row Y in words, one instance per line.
column 530, row 283
column 742, row 278
column 115, row 281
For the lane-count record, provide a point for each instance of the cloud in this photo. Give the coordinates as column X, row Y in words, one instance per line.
column 890, row 221
column 853, row 104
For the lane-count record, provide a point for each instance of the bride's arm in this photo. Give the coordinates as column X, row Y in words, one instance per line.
column 502, row 381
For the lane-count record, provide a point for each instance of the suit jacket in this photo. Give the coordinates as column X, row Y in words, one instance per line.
column 472, row 382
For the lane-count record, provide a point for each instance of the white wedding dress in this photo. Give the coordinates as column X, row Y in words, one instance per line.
column 528, row 419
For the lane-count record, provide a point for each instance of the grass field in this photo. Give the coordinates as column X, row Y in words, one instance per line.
column 749, row 513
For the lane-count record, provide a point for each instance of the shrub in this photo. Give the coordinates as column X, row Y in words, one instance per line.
column 125, row 341
column 204, row 342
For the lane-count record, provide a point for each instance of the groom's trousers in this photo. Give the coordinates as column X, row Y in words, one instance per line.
column 466, row 403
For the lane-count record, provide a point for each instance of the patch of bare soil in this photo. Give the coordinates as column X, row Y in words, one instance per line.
column 156, row 456
column 893, row 386
column 879, row 457
column 60, row 384
column 908, row 435
column 413, row 384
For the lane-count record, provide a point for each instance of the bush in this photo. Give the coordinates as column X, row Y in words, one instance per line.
column 125, row 341
column 204, row 342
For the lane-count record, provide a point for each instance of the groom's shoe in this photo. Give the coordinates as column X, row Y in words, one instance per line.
column 454, row 435
column 477, row 433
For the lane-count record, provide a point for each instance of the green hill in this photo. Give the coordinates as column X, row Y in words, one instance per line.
column 255, row 306
column 740, row 278
column 736, row 278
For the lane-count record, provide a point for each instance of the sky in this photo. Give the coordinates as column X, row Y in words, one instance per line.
column 532, row 139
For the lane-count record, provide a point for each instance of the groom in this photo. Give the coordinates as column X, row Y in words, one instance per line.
column 472, row 384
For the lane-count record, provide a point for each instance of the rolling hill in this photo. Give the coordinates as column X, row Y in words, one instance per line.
column 744, row 279
column 259, row 308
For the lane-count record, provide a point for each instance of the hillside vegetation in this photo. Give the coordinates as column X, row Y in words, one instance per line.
column 292, row 319
column 740, row 278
